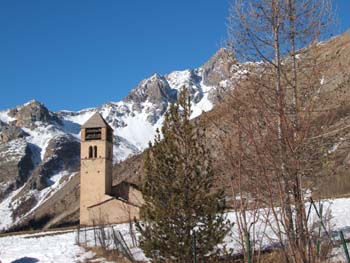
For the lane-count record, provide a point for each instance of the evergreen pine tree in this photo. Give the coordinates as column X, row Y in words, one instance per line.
column 181, row 199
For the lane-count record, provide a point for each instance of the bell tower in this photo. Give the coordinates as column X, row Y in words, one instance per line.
column 96, row 162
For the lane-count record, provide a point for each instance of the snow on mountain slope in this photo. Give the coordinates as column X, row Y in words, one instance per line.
column 138, row 130
column 6, row 210
column 4, row 117
column 49, row 137
column 136, row 118
column 41, row 136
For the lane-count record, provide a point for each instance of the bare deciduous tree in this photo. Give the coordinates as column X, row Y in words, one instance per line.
column 274, row 109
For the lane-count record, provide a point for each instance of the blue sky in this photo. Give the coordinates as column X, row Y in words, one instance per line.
column 74, row 54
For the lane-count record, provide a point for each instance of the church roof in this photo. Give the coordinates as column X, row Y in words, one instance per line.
column 96, row 121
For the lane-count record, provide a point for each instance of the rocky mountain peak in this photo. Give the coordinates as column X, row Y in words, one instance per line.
column 32, row 112
column 218, row 67
column 43, row 146
column 154, row 89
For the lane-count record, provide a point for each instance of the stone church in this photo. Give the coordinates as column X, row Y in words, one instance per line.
column 101, row 202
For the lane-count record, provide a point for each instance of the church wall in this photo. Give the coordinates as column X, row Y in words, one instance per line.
column 112, row 211
column 135, row 197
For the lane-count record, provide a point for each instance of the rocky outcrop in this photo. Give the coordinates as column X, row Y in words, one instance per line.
column 16, row 165
column 61, row 159
column 10, row 132
column 218, row 68
column 62, row 154
column 33, row 112
column 155, row 89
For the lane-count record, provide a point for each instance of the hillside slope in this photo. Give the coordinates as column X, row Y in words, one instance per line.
column 335, row 180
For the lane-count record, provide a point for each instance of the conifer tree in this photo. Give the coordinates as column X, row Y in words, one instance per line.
column 182, row 204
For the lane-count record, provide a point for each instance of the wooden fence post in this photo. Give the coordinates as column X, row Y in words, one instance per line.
column 344, row 246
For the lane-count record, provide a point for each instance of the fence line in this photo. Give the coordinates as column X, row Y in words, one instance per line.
column 108, row 238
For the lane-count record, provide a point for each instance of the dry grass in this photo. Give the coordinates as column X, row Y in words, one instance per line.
column 109, row 255
column 335, row 186
column 273, row 257
column 50, row 234
column 46, row 232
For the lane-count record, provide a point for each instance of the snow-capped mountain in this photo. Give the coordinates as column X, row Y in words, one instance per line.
column 39, row 149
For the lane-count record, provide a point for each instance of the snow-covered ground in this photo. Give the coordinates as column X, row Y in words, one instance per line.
column 335, row 215
column 61, row 246
column 52, row 247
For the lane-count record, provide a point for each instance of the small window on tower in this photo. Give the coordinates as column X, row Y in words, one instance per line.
column 95, row 151
column 92, row 134
column 90, row 152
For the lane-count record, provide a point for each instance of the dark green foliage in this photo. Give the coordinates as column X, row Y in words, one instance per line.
column 179, row 193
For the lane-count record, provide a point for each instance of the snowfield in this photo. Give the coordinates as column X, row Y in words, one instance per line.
column 61, row 246
column 31, row 248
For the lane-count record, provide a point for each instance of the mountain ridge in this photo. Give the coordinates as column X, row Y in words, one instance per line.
column 44, row 144
column 41, row 185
